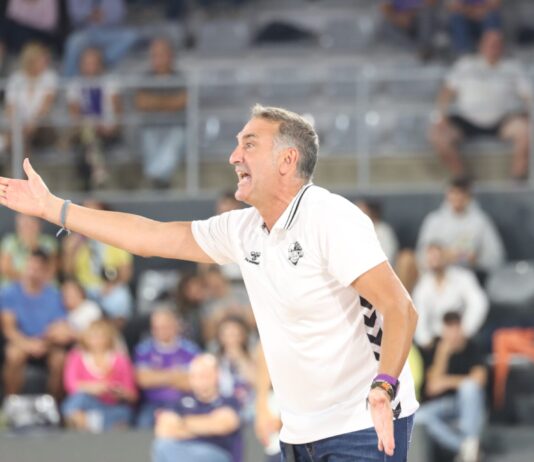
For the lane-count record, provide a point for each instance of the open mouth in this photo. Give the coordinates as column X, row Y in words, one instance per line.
column 243, row 177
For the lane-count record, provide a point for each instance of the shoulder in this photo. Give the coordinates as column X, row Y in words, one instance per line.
column 12, row 290
column 16, row 78
column 321, row 203
column 144, row 348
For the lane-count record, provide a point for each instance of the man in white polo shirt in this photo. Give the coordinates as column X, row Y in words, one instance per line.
column 335, row 322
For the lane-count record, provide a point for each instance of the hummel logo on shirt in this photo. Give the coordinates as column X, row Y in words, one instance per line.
column 254, row 257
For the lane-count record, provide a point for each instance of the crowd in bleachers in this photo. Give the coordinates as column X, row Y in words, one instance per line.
column 92, row 40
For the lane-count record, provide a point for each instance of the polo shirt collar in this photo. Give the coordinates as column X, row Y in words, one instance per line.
column 287, row 218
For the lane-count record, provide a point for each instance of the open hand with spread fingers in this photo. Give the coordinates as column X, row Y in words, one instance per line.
column 29, row 197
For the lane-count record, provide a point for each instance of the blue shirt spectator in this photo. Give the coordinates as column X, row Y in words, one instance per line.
column 203, row 426
column 33, row 321
column 33, row 312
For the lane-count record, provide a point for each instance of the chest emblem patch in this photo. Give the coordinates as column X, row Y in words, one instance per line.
column 254, row 257
column 295, row 253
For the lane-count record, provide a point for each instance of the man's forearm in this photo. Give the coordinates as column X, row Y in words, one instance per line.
column 133, row 233
column 398, row 330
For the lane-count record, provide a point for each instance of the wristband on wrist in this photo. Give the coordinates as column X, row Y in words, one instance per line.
column 63, row 218
column 392, row 382
column 386, row 387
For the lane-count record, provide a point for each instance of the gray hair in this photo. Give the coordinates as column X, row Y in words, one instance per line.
column 296, row 132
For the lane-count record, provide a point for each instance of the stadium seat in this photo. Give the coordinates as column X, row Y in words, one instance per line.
column 224, row 36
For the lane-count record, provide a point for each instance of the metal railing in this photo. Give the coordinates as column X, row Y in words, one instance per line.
column 372, row 113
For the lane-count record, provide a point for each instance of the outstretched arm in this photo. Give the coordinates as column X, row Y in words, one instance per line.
column 136, row 234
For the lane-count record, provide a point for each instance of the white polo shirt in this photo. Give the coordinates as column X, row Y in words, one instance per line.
column 321, row 339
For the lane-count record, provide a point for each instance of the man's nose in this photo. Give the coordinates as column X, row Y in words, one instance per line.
column 236, row 156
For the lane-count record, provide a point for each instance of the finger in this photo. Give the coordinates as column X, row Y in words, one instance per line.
column 380, row 445
column 28, row 169
column 388, row 439
column 4, row 181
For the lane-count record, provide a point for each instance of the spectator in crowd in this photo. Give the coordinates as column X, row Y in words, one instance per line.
column 464, row 229
column 268, row 423
column 490, row 95
column 26, row 21
column 161, row 364
column 104, row 271
column 456, row 377
column 99, row 379
column 204, row 426
column 94, row 106
column 237, row 367
column 508, row 342
column 30, row 96
column 190, row 296
column 97, row 23
column 163, row 134
column 410, row 21
column 82, row 312
column 469, row 19
column 384, row 231
column 31, row 309
column 443, row 289
column 222, row 299
column 16, row 248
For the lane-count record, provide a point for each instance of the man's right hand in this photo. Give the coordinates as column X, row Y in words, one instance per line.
column 29, row 197
column 265, row 425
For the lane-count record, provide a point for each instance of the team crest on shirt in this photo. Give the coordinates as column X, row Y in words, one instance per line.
column 295, row 253
column 254, row 257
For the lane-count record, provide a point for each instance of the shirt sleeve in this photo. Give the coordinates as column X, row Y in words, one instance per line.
column 213, row 236
column 349, row 243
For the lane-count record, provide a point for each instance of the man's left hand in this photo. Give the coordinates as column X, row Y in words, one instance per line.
column 382, row 415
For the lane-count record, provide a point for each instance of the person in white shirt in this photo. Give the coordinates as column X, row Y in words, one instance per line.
column 335, row 322
column 443, row 289
column 30, row 96
column 490, row 95
column 468, row 233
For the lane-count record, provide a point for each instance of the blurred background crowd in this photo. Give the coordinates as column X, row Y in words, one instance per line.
column 423, row 110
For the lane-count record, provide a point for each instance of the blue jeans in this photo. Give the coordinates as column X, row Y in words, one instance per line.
column 162, row 151
column 360, row 446
column 169, row 450
column 111, row 414
column 451, row 419
column 114, row 42
column 465, row 32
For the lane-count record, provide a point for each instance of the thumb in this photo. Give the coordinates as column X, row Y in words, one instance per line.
column 28, row 169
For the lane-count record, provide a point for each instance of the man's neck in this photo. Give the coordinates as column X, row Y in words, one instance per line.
column 273, row 209
column 32, row 289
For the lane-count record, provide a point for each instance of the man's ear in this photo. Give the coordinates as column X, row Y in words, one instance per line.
column 288, row 160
